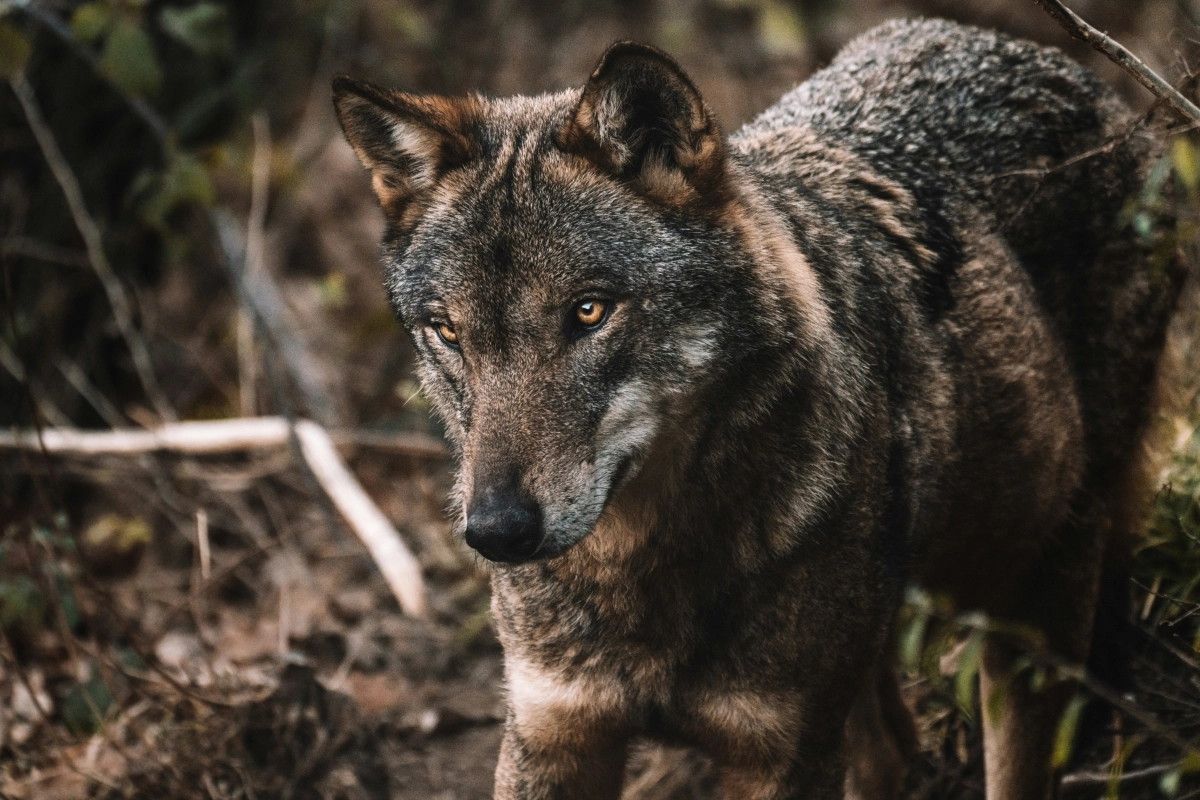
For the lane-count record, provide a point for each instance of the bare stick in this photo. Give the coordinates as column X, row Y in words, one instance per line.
column 217, row 436
column 400, row 568
column 92, row 239
column 1078, row 28
column 1084, row 783
column 259, row 194
column 202, row 543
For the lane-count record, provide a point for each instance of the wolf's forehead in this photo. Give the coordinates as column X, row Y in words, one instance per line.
column 526, row 111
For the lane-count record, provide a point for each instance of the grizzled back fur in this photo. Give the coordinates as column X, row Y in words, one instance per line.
column 717, row 400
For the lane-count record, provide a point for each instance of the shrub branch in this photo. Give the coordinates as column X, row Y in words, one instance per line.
column 1079, row 29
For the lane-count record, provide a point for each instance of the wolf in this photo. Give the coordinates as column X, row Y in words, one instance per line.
column 717, row 401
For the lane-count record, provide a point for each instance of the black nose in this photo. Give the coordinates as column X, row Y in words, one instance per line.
column 505, row 529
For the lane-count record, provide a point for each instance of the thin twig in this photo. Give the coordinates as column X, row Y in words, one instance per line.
column 1079, row 28
column 260, row 296
column 255, row 245
column 27, row 247
column 12, row 364
column 1081, row 782
column 90, row 231
column 79, row 381
column 202, row 544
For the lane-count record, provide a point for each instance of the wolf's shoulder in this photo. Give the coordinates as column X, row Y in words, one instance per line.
column 915, row 89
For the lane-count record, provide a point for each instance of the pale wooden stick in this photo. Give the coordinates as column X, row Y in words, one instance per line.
column 1117, row 53
column 400, row 568
column 221, row 436
column 201, row 437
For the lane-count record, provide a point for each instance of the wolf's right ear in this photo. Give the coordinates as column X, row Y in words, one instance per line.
column 641, row 118
column 407, row 141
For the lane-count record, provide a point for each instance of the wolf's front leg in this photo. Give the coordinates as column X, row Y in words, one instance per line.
column 817, row 773
column 557, row 762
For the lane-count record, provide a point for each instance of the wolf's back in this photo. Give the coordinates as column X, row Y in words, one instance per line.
column 999, row 136
column 968, row 116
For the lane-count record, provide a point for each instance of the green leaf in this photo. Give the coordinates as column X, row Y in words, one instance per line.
column 91, row 21
column 1190, row 762
column 1064, row 738
column 968, row 670
column 14, row 50
column 84, row 707
column 912, row 640
column 130, row 61
column 781, row 28
column 203, row 27
column 22, row 605
column 1186, row 166
column 994, row 702
column 185, row 181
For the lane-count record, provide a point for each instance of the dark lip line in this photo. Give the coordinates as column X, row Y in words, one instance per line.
column 619, row 476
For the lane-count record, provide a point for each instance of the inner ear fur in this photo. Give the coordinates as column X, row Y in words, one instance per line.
column 641, row 118
column 407, row 141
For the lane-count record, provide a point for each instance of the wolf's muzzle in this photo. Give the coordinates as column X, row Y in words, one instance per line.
column 506, row 529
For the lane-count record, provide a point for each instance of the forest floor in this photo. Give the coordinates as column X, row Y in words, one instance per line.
column 289, row 670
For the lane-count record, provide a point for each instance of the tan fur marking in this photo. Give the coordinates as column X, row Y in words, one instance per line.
column 550, row 710
column 749, row 726
column 764, row 235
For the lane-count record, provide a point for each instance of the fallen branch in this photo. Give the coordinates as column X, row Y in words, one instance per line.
column 117, row 298
column 1079, row 28
column 209, row 437
column 395, row 561
column 399, row 566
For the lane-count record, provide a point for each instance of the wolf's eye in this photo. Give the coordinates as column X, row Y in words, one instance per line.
column 591, row 313
column 446, row 333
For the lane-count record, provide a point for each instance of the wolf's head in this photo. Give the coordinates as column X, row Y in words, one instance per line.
column 573, row 269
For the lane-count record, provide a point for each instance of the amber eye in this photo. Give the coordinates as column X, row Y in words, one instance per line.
column 446, row 333
column 591, row 313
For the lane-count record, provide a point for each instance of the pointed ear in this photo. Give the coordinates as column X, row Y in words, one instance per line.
column 641, row 118
column 407, row 141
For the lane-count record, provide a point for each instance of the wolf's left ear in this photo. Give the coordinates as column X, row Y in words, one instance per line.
column 641, row 118
column 407, row 141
